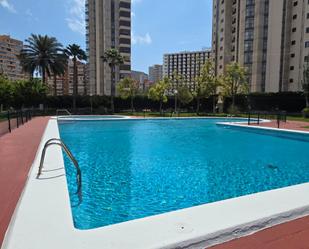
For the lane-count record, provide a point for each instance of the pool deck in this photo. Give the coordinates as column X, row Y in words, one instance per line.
column 18, row 156
column 289, row 125
column 291, row 235
column 17, row 153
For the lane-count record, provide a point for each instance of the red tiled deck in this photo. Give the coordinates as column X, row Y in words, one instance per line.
column 289, row 125
column 291, row 235
column 17, row 152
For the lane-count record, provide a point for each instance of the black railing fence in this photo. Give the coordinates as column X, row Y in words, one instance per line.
column 255, row 117
column 10, row 120
column 13, row 119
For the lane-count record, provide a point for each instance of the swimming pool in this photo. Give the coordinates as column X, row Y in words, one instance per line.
column 137, row 168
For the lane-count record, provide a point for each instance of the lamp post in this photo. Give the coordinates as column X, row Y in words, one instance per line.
column 91, row 108
column 176, row 95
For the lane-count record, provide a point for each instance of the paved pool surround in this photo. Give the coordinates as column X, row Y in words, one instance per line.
column 43, row 216
column 17, row 157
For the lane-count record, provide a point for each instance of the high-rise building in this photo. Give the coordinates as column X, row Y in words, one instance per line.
column 108, row 25
column 155, row 73
column 270, row 38
column 185, row 64
column 64, row 83
column 141, row 78
column 9, row 63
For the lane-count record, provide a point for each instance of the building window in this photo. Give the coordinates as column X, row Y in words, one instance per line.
column 307, row 44
column 293, row 42
column 293, row 30
column 124, row 23
column 295, row 3
column 292, row 55
column 248, row 58
column 291, row 68
column 125, row 5
column 248, row 46
column 294, row 17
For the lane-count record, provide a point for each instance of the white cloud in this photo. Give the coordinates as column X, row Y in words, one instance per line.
column 5, row 4
column 141, row 40
column 76, row 19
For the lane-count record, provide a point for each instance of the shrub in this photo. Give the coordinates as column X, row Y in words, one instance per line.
column 233, row 109
column 306, row 112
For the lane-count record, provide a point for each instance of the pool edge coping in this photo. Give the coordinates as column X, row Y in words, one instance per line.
column 261, row 128
column 177, row 238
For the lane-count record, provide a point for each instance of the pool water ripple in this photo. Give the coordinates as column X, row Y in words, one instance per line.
column 133, row 169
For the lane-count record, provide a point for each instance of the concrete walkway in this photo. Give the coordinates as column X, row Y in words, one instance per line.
column 17, row 153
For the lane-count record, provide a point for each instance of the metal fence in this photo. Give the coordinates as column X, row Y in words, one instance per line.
column 255, row 117
column 10, row 120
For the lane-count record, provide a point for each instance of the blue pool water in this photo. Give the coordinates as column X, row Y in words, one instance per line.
column 133, row 169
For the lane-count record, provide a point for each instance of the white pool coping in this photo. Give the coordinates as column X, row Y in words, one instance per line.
column 254, row 126
column 43, row 216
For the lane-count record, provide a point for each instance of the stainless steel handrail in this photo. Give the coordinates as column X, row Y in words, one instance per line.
column 63, row 110
column 56, row 141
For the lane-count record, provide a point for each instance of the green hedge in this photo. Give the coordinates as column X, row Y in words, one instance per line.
column 290, row 102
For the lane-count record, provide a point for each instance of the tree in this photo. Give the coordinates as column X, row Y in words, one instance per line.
column 176, row 83
column 6, row 91
column 27, row 92
column 113, row 58
column 158, row 92
column 76, row 53
column 184, row 95
column 58, row 68
column 128, row 88
column 234, row 82
column 206, row 84
column 305, row 82
column 39, row 53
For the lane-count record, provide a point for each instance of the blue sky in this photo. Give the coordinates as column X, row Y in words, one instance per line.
column 158, row 26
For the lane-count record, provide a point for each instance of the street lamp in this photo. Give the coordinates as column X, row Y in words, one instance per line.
column 91, row 102
column 176, row 95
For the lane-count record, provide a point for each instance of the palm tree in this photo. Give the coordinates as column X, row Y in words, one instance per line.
column 113, row 58
column 76, row 53
column 58, row 68
column 39, row 53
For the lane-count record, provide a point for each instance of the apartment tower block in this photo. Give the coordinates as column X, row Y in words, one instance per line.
column 9, row 63
column 155, row 73
column 187, row 65
column 108, row 25
column 270, row 38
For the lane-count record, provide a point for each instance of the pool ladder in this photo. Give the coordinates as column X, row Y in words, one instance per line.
column 56, row 141
column 63, row 110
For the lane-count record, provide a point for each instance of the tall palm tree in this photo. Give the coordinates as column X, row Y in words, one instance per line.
column 76, row 53
column 113, row 58
column 58, row 68
column 39, row 53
